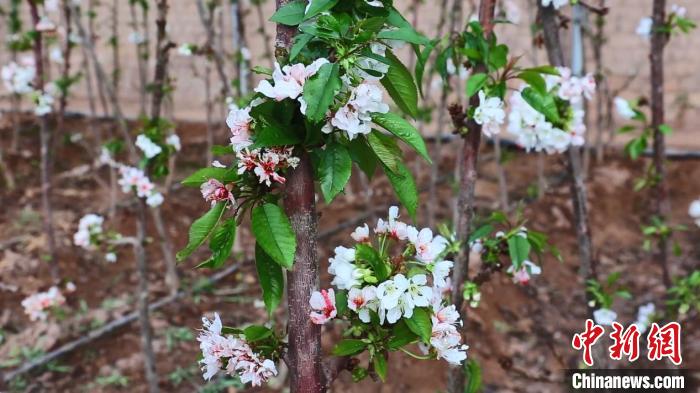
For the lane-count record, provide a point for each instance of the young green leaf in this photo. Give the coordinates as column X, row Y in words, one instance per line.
column 543, row 103
column 201, row 229
column 398, row 82
column 363, row 156
column 271, row 279
column 535, row 80
column 404, row 130
column 274, row 233
column 291, row 14
column 363, row 252
column 380, row 367
column 475, row 83
column 300, row 41
column 421, row 62
column 220, row 244
column 320, row 90
column 335, row 167
column 473, row 373
column 401, row 335
column 318, row 6
column 420, row 324
column 518, row 249
column 406, row 34
column 349, row 347
column 224, row 175
column 255, row 333
column 405, row 187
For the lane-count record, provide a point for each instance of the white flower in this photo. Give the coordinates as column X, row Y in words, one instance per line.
column 44, row 101
column 440, row 270
column 604, row 316
column 239, row 121
column 678, row 10
column 149, row 148
column 174, row 141
column 355, row 117
column 418, row 294
column 35, row 306
column 389, row 292
column 217, row 164
column 362, row 301
column 111, row 257
column 644, row 316
column 185, row 50
column 245, row 53
column 136, row 38
column 450, row 66
column 70, row 287
column 288, row 82
column 56, row 55
column 375, row 3
column 694, row 211
column 624, row 108
column 427, row 247
column 323, row 305
column 18, row 78
column 644, row 27
column 368, row 63
column 490, row 114
column 155, row 199
column 361, row 234
column 396, row 229
column 555, row 3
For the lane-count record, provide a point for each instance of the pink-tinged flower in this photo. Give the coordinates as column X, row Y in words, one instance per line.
column 525, row 273
column 395, row 229
column 35, row 306
column 239, row 122
column 427, row 247
column 361, row 234
column 447, row 314
column 266, row 168
column 323, row 305
column 45, row 25
column 144, row 188
column 362, row 301
column 288, row 81
column 214, row 191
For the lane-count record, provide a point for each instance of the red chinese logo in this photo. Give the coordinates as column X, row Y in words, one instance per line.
column 665, row 342
column 626, row 342
column 587, row 339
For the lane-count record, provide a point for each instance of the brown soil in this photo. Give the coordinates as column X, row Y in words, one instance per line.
column 519, row 335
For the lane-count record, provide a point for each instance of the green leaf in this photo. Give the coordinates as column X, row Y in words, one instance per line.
column 546, row 69
column 406, row 34
column 385, row 149
column 402, row 129
column 274, row 124
column 625, row 129
column 542, row 103
column 518, row 249
column 291, row 14
column 401, row 335
column 320, row 90
column 362, row 154
column 224, row 175
column 535, row 80
column 318, row 6
column 405, row 188
column 220, row 244
column 219, row 150
column 665, row 129
column 349, row 347
column 300, row 42
column 364, row 252
column 398, row 82
column 341, row 302
column 482, row 231
column 475, row 83
column 421, row 62
column 274, row 233
column 420, row 323
column 473, row 374
column 271, row 279
column 379, row 363
column 255, row 333
column 335, row 167
column 201, row 229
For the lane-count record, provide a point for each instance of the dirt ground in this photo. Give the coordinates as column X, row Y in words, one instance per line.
column 519, row 335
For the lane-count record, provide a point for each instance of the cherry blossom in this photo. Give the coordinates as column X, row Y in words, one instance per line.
column 362, row 301
column 694, row 211
column 18, row 78
column 645, row 314
column 624, row 109
column 266, row 164
column 644, row 27
column 89, row 226
column 150, row 149
column 239, row 121
column 489, row 114
column 427, row 247
column 355, row 117
column 389, row 292
column 174, row 141
column 214, row 191
column 361, row 234
column 323, row 305
column 36, row 305
column 604, row 316
column 44, row 102
column 288, row 81
column 525, row 273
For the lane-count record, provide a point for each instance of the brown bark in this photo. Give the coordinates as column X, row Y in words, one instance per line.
column 142, row 300
column 90, row 35
column 662, row 204
column 45, row 138
column 65, row 71
column 304, row 347
column 206, row 15
column 578, row 188
column 465, row 203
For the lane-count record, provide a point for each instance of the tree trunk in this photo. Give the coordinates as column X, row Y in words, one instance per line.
column 45, row 138
column 578, row 188
column 91, row 36
column 465, row 203
column 662, row 204
column 304, row 348
column 144, row 319
column 65, row 71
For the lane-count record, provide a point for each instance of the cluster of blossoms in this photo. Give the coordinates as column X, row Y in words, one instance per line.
column 134, row 179
column 531, row 127
column 149, row 148
column 694, row 211
column 232, row 354
column 267, row 163
column 89, row 228
column 355, row 117
column 36, row 305
column 18, row 78
column 397, row 294
column 489, row 114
